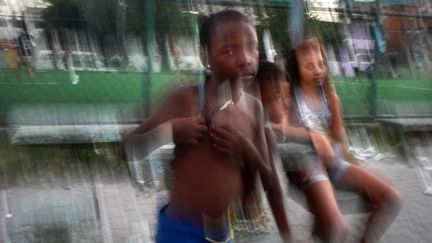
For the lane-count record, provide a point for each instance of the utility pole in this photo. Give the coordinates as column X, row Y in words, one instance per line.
column 295, row 22
column 149, row 32
column 377, row 35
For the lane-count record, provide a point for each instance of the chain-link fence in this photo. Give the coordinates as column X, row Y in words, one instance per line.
column 89, row 68
column 75, row 62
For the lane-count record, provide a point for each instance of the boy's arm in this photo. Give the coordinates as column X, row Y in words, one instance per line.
column 229, row 141
column 269, row 176
column 275, row 195
column 255, row 154
column 138, row 145
column 262, row 159
column 266, row 171
column 270, row 180
column 157, row 130
column 256, row 158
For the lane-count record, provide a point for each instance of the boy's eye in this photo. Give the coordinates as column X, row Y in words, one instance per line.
column 252, row 47
column 309, row 66
column 229, row 50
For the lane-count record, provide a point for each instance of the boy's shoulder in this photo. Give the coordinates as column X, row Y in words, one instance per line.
column 185, row 91
column 251, row 104
column 182, row 99
column 251, row 97
column 252, row 100
column 181, row 102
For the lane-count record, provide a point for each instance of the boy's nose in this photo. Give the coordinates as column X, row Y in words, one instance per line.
column 245, row 58
column 317, row 70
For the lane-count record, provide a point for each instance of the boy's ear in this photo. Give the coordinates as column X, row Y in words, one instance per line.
column 204, row 56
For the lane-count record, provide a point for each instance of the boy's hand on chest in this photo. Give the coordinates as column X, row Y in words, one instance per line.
column 236, row 118
column 229, row 130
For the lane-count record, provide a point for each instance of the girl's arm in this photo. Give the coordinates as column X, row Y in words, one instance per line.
column 288, row 130
column 337, row 128
column 319, row 139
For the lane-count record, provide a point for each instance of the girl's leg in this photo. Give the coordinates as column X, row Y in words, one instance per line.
column 384, row 199
column 329, row 222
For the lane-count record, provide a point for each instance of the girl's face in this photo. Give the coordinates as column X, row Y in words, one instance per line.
column 311, row 67
column 233, row 52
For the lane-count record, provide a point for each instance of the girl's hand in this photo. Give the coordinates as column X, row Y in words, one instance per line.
column 322, row 146
column 278, row 127
column 189, row 130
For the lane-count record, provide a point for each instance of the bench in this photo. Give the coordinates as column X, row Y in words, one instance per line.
column 68, row 134
column 397, row 130
column 349, row 202
column 420, row 124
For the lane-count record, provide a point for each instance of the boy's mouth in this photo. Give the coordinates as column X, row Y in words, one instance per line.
column 246, row 77
column 319, row 80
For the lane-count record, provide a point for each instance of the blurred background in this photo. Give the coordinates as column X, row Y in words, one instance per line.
column 76, row 74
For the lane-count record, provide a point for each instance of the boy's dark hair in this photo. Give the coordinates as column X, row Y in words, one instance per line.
column 209, row 24
column 270, row 77
column 268, row 70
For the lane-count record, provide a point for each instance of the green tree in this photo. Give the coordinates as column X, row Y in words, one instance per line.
column 63, row 14
column 98, row 20
column 169, row 20
column 119, row 18
column 59, row 16
column 274, row 16
column 329, row 32
column 275, row 19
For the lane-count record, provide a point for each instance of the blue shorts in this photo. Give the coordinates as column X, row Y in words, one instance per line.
column 174, row 231
column 171, row 230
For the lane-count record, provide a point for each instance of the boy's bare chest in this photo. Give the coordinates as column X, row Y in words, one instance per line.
column 238, row 118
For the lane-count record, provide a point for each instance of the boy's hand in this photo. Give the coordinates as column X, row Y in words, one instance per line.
column 227, row 140
column 189, row 130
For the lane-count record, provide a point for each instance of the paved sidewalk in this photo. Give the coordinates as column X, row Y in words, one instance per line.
column 414, row 224
column 126, row 213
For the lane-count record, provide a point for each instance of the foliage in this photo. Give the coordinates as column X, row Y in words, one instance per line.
column 168, row 17
column 329, row 32
column 275, row 18
column 63, row 13
column 276, row 21
column 119, row 18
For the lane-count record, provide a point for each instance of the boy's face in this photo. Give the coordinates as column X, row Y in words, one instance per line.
column 233, row 52
column 312, row 68
column 272, row 96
